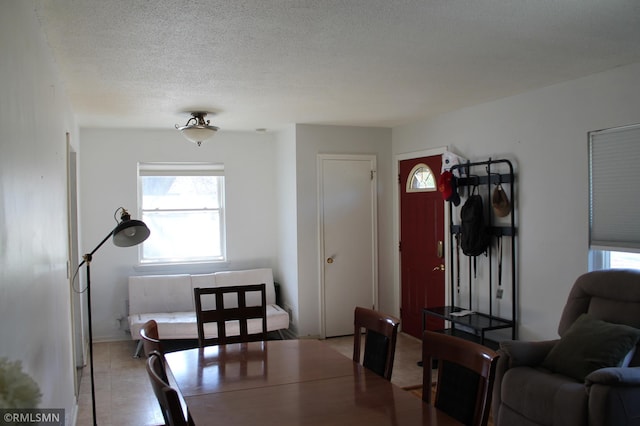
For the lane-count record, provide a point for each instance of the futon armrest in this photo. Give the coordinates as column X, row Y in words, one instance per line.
column 614, row 376
column 522, row 353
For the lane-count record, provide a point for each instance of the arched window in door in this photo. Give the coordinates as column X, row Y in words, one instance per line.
column 421, row 179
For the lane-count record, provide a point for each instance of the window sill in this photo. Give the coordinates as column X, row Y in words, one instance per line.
column 181, row 268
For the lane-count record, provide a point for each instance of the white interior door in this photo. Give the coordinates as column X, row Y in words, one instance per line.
column 348, row 220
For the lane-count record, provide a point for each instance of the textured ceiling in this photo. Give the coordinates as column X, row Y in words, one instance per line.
column 268, row 63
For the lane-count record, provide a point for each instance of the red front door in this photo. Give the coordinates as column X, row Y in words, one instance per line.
column 421, row 246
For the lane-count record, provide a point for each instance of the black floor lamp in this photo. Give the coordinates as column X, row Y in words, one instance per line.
column 127, row 233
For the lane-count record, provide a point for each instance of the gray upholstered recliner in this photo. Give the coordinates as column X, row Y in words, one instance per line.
column 529, row 392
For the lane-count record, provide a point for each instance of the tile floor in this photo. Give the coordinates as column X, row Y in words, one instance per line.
column 124, row 396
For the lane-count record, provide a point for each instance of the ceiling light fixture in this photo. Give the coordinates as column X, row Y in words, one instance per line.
column 197, row 130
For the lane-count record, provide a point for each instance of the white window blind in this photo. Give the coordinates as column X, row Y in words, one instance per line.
column 181, row 169
column 614, row 184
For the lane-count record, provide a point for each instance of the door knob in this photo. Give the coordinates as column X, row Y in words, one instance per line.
column 330, row 260
column 439, row 268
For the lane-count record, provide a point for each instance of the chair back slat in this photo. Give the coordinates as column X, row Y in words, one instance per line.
column 167, row 397
column 380, row 334
column 150, row 337
column 466, row 372
column 222, row 315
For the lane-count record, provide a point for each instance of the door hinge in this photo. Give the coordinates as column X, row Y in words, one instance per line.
column 400, row 246
column 372, row 173
column 399, row 181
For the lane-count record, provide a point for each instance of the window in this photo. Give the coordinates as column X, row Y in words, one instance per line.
column 614, row 228
column 183, row 205
column 606, row 259
column 421, row 179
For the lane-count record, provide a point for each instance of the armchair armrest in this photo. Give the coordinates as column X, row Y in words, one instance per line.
column 613, row 396
column 521, row 353
column 516, row 353
column 614, row 376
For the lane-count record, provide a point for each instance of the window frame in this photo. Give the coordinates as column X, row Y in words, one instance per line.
column 601, row 252
column 409, row 188
column 185, row 169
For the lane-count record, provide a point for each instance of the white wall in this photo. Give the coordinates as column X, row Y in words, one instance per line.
column 108, row 180
column 285, row 167
column 312, row 140
column 271, row 206
column 545, row 132
column 35, row 311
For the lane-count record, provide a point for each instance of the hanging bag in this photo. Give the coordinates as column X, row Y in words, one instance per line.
column 475, row 235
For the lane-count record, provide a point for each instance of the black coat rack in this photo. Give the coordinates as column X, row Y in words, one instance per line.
column 473, row 324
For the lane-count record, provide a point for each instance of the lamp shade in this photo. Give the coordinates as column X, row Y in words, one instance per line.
column 130, row 233
column 198, row 134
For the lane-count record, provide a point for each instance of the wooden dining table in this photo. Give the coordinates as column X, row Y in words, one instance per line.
column 290, row 382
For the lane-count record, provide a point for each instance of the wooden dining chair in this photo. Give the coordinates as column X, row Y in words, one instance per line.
column 380, row 332
column 150, row 338
column 168, row 397
column 232, row 303
column 466, row 371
